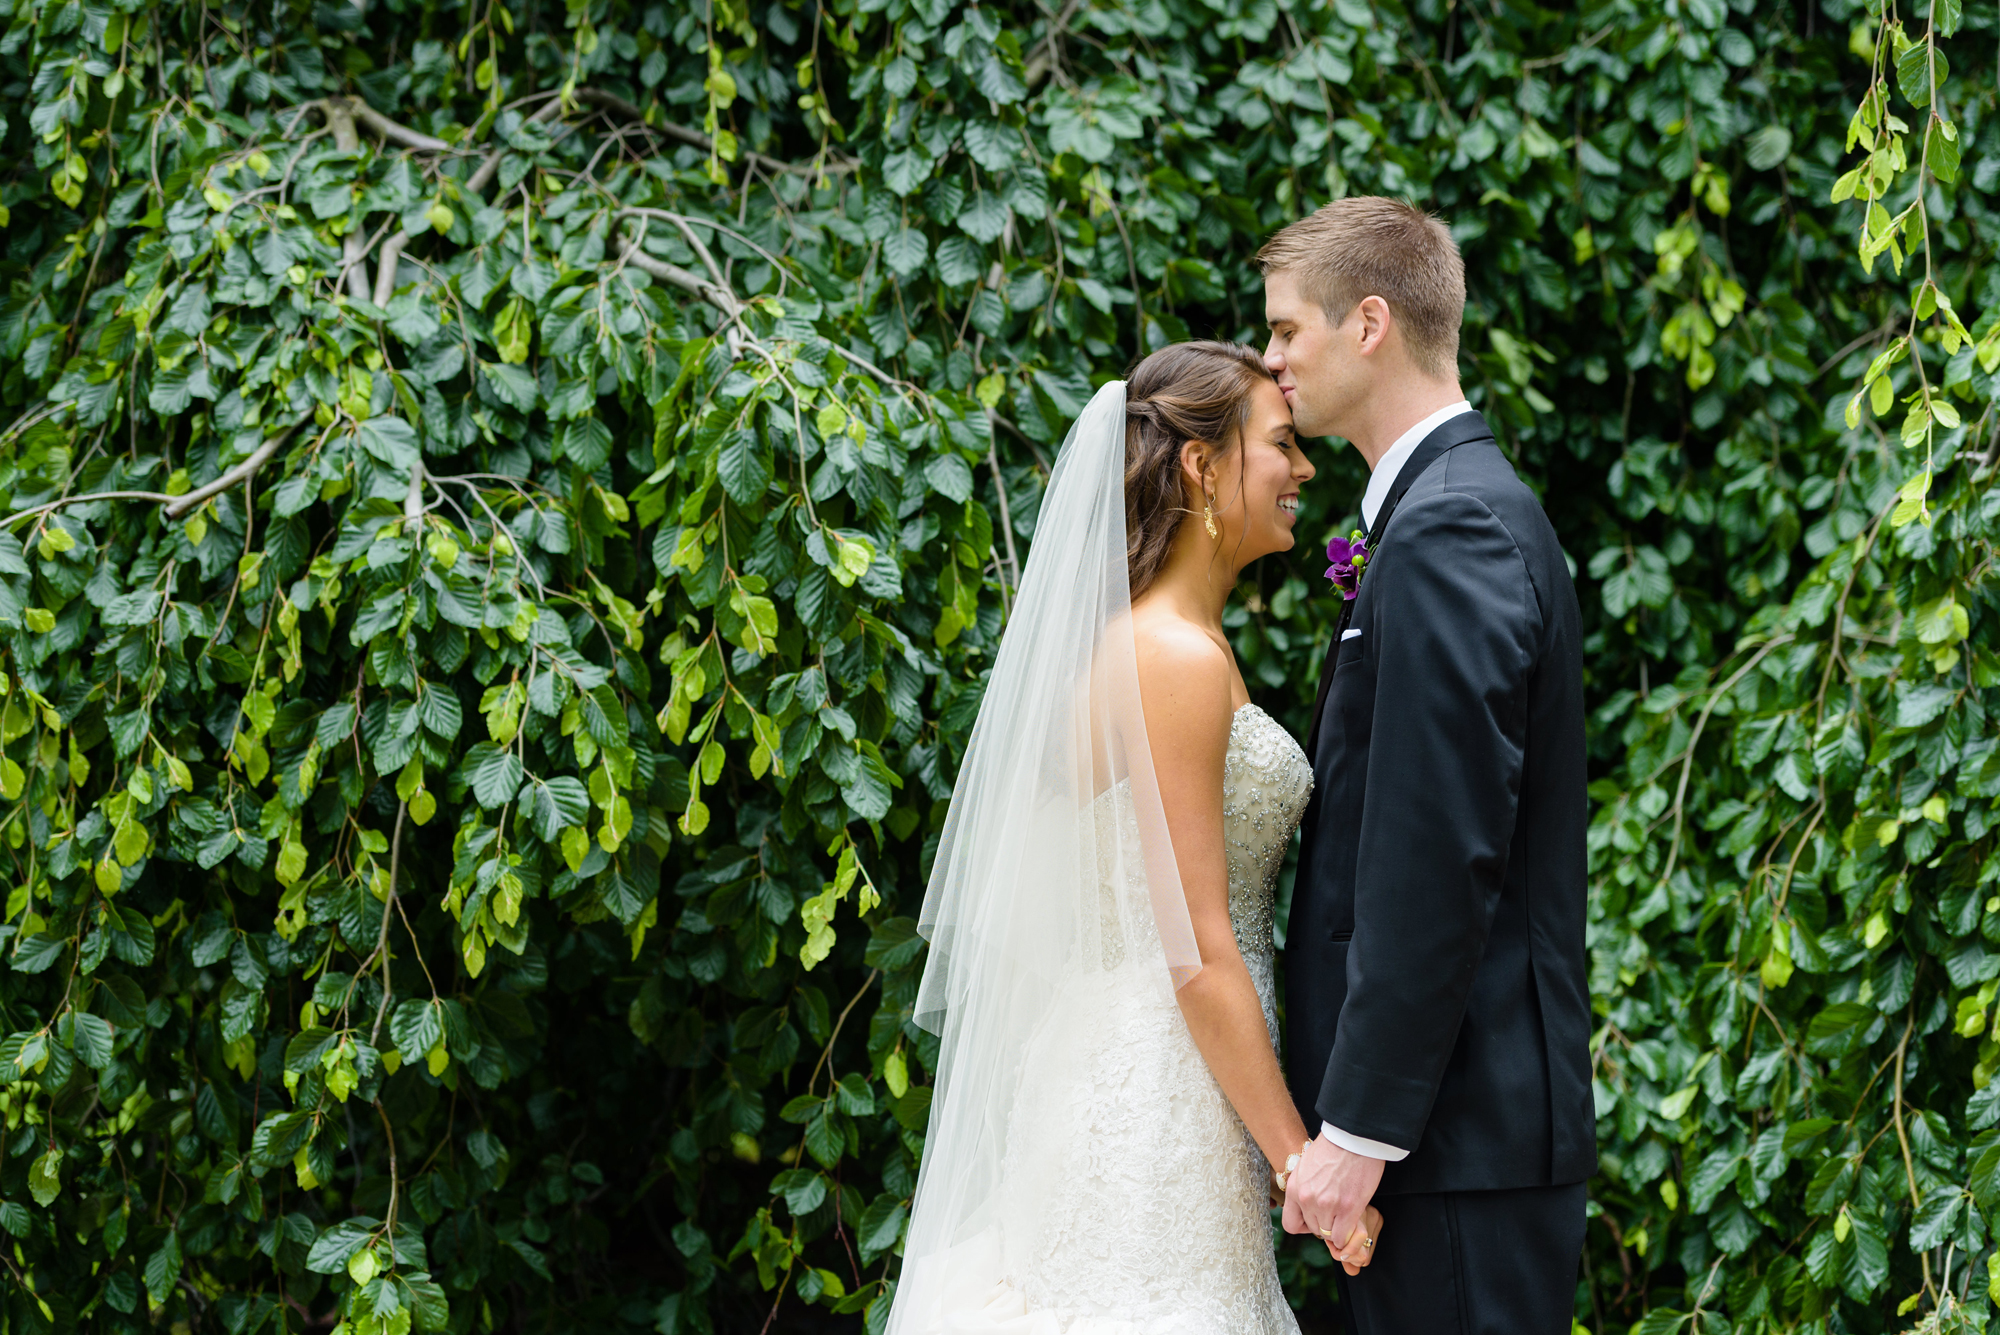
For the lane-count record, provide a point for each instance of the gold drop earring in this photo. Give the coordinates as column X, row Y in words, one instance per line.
column 1208, row 515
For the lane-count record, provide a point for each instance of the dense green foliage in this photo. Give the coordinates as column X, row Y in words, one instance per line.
column 606, row 435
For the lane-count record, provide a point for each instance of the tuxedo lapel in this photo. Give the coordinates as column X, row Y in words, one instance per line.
column 1447, row 436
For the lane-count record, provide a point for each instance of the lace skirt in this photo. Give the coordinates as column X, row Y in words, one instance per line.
column 1133, row 1200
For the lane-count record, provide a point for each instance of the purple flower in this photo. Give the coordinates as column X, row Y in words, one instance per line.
column 1347, row 557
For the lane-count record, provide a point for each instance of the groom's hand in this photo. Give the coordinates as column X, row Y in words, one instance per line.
column 1329, row 1191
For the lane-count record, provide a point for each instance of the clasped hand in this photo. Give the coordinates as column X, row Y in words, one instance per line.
column 1328, row 1196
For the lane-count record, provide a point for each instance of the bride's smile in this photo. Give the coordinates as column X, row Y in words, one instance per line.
column 1254, row 487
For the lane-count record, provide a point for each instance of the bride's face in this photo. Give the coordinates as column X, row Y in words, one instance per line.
column 1256, row 487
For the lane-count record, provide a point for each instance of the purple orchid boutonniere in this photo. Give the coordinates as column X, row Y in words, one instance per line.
column 1347, row 556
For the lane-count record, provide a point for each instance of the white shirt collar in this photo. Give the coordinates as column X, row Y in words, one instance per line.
column 1384, row 476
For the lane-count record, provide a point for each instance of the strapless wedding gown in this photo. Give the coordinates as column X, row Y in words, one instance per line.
column 1134, row 1202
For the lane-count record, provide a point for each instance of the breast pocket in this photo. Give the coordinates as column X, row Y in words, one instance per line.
column 1353, row 693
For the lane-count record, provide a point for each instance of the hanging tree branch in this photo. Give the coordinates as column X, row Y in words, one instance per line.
column 716, row 295
column 175, row 506
column 630, row 111
column 180, row 505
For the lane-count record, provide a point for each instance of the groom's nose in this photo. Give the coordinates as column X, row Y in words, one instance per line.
column 1274, row 361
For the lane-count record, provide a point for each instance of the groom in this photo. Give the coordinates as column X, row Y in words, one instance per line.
column 1437, row 994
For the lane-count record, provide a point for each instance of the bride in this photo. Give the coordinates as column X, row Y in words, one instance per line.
column 1108, row 1098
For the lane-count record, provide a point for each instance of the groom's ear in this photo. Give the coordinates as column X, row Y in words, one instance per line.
column 1375, row 324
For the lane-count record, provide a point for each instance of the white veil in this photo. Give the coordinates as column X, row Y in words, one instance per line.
column 1016, row 901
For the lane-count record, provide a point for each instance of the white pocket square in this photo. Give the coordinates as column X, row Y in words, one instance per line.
column 1350, row 635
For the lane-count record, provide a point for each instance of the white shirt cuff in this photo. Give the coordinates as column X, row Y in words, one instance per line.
column 1374, row 1149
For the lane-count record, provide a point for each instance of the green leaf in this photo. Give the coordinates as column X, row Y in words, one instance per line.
column 1843, row 1027
column 894, row 944
column 959, row 261
column 586, row 442
column 332, row 1248
column 1935, row 1219
column 1914, row 72
column 416, row 1026
column 985, row 219
column 881, row 1226
column 906, row 251
column 512, row 386
column 35, row 954
column 744, row 467
column 512, row 329
column 94, row 1041
column 163, row 1270
column 559, row 802
column 44, row 1177
column 1866, row 1267
column 1769, row 147
column 1675, row 1105
column 391, row 440
column 906, row 170
column 495, row 774
column 950, row 475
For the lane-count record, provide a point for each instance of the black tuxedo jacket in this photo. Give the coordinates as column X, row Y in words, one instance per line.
column 1437, row 990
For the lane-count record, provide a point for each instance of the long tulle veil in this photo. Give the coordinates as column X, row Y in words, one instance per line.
column 1016, row 897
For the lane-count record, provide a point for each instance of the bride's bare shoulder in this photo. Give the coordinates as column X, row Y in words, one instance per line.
column 1182, row 670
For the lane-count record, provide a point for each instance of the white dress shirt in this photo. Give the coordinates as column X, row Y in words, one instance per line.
column 1379, row 483
column 1384, row 476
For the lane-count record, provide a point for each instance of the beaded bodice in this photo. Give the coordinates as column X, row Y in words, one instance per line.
column 1265, row 784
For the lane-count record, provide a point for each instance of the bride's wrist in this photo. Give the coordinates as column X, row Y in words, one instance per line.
column 1281, row 1175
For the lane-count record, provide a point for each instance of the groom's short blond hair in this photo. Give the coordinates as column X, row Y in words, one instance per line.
column 1368, row 246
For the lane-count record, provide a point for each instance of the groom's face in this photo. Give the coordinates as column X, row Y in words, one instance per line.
column 1305, row 356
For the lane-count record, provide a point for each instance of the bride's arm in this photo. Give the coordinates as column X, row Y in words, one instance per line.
column 1184, row 682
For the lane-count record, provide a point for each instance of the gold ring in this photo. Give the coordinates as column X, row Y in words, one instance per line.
column 1326, row 1234
column 1367, row 1242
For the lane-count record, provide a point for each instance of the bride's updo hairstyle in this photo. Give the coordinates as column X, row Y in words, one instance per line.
column 1189, row 391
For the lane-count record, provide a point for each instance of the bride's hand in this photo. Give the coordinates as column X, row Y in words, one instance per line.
column 1363, row 1242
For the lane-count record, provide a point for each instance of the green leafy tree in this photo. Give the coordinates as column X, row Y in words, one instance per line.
column 504, row 511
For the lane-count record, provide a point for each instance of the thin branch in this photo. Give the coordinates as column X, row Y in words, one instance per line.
column 1872, row 336
column 389, row 1221
column 1022, row 436
column 382, row 942
column 826, row 1053
column 340, row 120
column 618, row 106
column 385, row 268
column 683, row 221
column 26, row 420
column 872, row 369
column 719, row 297
column 1043, row 58
column 180, row 505
column 19, row 515
column 1840, row 615
column 388, row 129
column 1687, row 766
column 284, row 182
column 488, row 169
column 1584, row 45
column 695, row 243
column 354, row 260
column 1909, row 1167
column 1006, row 515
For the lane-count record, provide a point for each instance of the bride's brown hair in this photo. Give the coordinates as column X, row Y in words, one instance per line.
column 1189, row 391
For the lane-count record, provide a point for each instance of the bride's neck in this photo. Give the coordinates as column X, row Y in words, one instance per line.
column 1196, row 578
